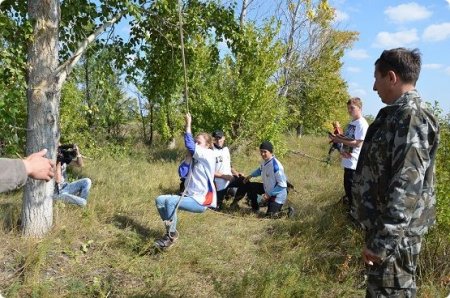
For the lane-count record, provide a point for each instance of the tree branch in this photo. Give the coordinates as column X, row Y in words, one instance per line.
column 65, row 68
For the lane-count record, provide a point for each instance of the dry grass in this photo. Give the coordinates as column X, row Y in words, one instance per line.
column 102, row 250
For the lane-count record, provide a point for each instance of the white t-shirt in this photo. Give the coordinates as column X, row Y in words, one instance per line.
column 356, row 130
column 223, row 165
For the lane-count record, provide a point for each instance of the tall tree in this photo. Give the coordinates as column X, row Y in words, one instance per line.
column 310, row 69
column 239, row 95
column 158, row 68
column 43, row 106
column 45, row 79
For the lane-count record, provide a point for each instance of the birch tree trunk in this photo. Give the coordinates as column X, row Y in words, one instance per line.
column 45, row 79
column 288, row 63
column 43, row 97
column 243, row 13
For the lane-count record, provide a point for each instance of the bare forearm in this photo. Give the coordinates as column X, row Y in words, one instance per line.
column 350, row 143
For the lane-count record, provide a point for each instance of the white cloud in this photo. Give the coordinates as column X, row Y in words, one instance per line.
column 340, row 16
column 358, row 92
column 359, row 54
column 353, row 85
column 448, row 2
column 437, row 32
column 447, row 71
column 397, row 39
column 409, row 12
column 353, row 69
column 432, row 65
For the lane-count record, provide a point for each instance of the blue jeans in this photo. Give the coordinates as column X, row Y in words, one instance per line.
column 75, row 192
column 166, row 208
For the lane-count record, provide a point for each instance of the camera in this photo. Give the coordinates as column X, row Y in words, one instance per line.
column 66, row 153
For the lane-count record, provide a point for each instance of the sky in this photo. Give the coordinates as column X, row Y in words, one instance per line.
column 383, row 24
column 422, row 24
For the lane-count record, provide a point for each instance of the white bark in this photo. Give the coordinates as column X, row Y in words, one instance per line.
column 293, row 27
column 243, row 14
column 45, row 81
column 43, row 112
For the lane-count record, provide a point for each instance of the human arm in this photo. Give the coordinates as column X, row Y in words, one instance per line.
column 58, row 173
column 13, row 174
column 223, row 176
column 223, row 165
column 189, row 141
column 38, row 166
column 255, row 173
column 346, row 141
column 369, row 257
column 79, row 158
column 235, row 173
column 183, row 168
column 14, row 171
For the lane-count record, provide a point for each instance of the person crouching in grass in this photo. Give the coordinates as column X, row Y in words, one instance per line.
column 274, row 186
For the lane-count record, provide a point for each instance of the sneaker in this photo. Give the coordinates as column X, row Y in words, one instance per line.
column 290, row 212
column 167, row 240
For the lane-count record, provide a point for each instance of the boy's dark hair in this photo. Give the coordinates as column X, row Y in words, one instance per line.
column 218, row 134
column 405, row 63
column 266, row 145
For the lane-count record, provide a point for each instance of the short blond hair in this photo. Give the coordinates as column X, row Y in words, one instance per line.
column 355, row 101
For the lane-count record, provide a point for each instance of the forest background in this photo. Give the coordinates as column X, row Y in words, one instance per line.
column 280, row 76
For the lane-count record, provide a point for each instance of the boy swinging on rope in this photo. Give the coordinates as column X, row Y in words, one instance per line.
column 199, row 192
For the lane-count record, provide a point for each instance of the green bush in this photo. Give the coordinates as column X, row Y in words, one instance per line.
column 443, row 176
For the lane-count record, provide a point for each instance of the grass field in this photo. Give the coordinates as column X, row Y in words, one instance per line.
column 104, row 250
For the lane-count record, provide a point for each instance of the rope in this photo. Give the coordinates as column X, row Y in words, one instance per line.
column 183, row 58
column 243, row 217
column 186, row 98
column 169, row 221
column 308, row 156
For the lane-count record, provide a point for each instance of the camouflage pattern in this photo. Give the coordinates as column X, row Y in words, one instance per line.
column 389, row 292
column 394, row 186
column 396, row 274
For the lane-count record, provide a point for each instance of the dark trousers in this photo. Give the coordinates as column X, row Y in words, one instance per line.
column 257, row 188
column 335, row 146
column 237, row 182
column 348, row 181
column 253, row 190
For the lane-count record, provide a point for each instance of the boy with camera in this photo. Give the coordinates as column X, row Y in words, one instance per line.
column 75, row 192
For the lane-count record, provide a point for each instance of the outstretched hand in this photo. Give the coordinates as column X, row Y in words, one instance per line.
column 39, row 167
column 188, row 118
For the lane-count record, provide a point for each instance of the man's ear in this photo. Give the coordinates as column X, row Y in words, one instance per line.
column 393, row 78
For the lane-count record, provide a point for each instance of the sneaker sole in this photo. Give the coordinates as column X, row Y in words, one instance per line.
column 162, row 248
